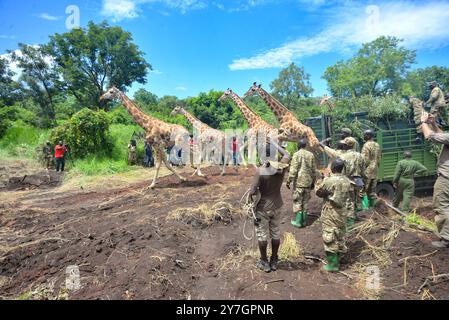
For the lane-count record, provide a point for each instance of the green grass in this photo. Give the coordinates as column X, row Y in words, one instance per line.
column 416, row 219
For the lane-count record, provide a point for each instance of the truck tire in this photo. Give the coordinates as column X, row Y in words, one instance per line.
column 385, row 190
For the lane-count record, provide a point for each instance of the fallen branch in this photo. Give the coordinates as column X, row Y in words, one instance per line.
column 413, row 257
column 434, row 279
column 274, row 281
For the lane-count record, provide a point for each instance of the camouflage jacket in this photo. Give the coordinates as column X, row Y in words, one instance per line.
column 371, row 155
column 437, row 98
column 303, row 169
column 354, row 164
column 336, row 191
column 407, row 169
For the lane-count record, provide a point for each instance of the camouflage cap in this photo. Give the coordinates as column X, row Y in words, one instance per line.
column 278, row 165
column 350, row 142
column 347, row 131
column 432, row 83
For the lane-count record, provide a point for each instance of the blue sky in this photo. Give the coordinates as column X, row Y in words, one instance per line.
column 198, row 45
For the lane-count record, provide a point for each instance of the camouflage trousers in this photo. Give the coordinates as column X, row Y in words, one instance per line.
column 333, row 222
column 301, row 198
column 269, row 225
column 439, row 112
column 370, row 189
column 354, row 203
column 441, row 206
column 132, row 158
column 48, row 161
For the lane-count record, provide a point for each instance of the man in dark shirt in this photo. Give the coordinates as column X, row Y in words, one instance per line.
column 268, row 181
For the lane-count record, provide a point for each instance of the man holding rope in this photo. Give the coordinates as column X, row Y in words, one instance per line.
column 441, row 188
column 268, row 182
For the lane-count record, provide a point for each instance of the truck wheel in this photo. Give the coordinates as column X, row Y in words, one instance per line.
column 385, row 190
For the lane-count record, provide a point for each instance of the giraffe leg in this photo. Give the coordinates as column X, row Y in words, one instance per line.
column 169, row 167
column 158, row 166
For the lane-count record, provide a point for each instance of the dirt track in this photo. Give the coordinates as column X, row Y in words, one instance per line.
column 126, row 249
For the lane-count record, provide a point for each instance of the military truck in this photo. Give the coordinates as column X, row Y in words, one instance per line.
column 394, row 138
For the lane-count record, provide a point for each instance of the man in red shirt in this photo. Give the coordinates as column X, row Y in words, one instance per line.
column 60, row 151
column 234, row 151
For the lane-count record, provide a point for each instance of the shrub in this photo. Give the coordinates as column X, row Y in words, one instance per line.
column 86, row 133
column 120, row 116
column 13, row 113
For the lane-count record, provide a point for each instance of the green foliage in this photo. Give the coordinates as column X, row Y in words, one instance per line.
column 40, row 79
column 119, row 115
column 417, row 220
column 101, row 166
column 416, row 84
column 23, row 140
column 9, row 89
column 93, row 58
column 13, row 113
column 292, row 83
column 86, row 134
column 379, row 67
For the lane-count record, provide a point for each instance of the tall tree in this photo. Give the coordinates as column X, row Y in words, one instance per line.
column 39, row 79
column 378, row 67
column 92, row 59
column 416, row 84
column 9, row 89
column 292, row 83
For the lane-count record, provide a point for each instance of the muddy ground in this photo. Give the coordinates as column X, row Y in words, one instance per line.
column 126, row 247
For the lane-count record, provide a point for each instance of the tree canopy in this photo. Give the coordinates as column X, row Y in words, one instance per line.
column 378, row 67
column 92, row 59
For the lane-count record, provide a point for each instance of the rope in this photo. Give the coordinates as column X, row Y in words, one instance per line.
column 249, row 207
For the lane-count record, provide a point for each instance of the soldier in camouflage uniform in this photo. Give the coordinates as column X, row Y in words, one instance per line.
column 437, row 103
column 347, row 133
column 354, row 170
column 48, row 157
column 132, row 153
column 303, row 175
column 404, row 180
column 371, row 155
column 336, row 190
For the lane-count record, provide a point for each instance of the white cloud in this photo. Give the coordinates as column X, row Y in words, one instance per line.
column 47, row 16
column 181, row 88
column 13, row 65
column 130, row 9
column 156, row 72
column 5, row 36
column 421, row 25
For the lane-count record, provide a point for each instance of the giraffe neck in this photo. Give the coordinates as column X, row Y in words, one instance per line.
column 278, row 108
column 194, row 121
column 249, row 114
column 142, row 119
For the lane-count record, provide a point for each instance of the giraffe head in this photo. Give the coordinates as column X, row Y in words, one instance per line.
column 227, row 94
column 177, row 110
column 253, row 90
column 112, row 94
column 325, row 100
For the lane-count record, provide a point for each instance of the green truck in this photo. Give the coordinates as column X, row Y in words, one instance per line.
column 394, row 138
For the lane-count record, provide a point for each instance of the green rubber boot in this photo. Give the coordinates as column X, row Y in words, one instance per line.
column 298, row 221
column 365, row 203
column 305, row 216
column 333, row 263
column 372, row 203
column 350, row 222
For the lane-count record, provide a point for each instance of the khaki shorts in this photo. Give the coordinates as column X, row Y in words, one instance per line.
column 269, row 224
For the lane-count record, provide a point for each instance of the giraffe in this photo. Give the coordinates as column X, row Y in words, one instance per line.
column 207, row 137
column 160, row 134
column 327, row 101
column 257, row 126
column 290, row 128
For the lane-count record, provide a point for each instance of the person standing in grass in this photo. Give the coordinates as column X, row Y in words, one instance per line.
column 336, row 191
column 303, row 175
column 268, row 182
column 60, row 151
column 48, row 156
column 404, row 181
column 234, row 151
column 132, row 153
